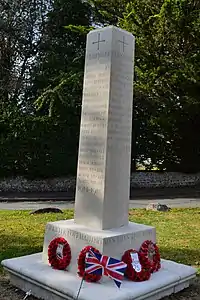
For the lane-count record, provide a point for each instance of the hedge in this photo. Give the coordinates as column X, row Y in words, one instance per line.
column 38, row 147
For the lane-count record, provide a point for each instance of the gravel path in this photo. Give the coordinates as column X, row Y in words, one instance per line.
column 7, row 292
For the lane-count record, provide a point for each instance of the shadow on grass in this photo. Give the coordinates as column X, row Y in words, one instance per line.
column 15, row 246
column 184, row 256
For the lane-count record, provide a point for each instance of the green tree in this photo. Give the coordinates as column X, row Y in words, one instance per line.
column 21, row 27
column 167, row 88
column 58, row 75
column 108, row 12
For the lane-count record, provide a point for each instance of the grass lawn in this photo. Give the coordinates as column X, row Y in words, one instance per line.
column 178, row 232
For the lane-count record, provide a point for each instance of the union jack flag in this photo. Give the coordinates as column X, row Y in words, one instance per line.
column 98, row 264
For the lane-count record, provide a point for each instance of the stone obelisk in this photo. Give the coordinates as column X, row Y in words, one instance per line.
column 103, row 177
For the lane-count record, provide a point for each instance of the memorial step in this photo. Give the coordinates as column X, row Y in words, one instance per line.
column 29, row 273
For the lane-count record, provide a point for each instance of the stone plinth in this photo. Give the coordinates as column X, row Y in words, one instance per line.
column 111, row 242
column 103, row 175
column 30, row 273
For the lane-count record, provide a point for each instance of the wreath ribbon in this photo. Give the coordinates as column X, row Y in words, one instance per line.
column 138, row 268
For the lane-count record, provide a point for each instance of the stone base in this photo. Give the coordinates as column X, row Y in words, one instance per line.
column 30, row 273
column 111, row 242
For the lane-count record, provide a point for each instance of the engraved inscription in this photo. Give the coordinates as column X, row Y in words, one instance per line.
column 96, row 56
column 106, row 54
column 120, row 112
column 131, row 237
column 74, row 234
column 87, row 189
column 94, row 123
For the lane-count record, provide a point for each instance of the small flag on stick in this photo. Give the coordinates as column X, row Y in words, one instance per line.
column 105, row 265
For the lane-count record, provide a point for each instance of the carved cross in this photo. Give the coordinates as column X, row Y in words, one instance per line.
column 98, row 41
column 123, row 42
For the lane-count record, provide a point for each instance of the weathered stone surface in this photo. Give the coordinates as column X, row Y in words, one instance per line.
column 103, row 176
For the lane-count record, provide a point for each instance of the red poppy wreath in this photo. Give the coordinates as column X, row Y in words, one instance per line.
column 151, row 252
column 59, row 253
column 138, row 268
column 81, row 265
